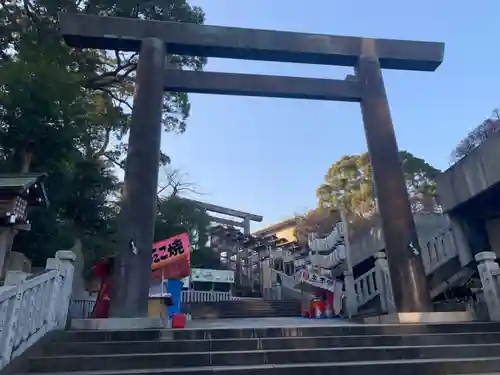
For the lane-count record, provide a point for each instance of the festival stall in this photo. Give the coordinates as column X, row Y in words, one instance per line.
column 171, row 262
column 327, row 293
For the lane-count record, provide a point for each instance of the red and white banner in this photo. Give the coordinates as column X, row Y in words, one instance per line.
column 308, row 276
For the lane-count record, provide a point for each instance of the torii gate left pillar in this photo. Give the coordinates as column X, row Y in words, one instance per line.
column 132, row 274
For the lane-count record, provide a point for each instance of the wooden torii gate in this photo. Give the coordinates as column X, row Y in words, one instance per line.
column 245, row 223
column 368, row 56
column 241, row 254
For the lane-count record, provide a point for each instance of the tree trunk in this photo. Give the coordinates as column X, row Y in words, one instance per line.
column 26, row 159
column 7, row 235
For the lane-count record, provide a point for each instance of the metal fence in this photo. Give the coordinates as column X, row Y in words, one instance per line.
column 193, row 296
column 82, row 308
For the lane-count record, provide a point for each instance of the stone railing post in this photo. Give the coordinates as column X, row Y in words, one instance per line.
column 488, row 272
column 384, row 282
column 14, row 277
column 337, row 298
column 63, row 263
column 463, row 250
column 350, row 294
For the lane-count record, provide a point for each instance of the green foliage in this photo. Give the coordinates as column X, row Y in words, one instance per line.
column 319, row 220
column 349, row 182
column 177, row 215
column 66, row 112
column 420, row 176
column 477, row 136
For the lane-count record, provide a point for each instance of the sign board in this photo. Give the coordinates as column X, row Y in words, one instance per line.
column 212, row 276
column 316, row 280
column 171, row 258
column 185, row 281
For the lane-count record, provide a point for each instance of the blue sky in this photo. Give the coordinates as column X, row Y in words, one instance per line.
column 267, row 156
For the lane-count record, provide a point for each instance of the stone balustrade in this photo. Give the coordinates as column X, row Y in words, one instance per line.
column 489, row 272
column 435, row 253
column 439, row 250
column 334, row 238
column 34, row 306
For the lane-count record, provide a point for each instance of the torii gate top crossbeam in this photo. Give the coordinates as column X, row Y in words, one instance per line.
column 88, row 31
column 227, row 211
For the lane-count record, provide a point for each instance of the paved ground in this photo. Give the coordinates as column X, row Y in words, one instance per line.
column 264, row 323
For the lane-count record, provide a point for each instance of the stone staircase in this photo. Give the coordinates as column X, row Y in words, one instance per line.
column 447, row 263
column 244, row 308
column 471, row 348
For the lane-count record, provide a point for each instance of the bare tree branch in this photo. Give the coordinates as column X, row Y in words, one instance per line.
column 174, row 182
column 118, row 163
column 105, row 144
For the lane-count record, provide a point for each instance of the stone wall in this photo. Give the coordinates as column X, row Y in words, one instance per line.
column 371, row 240
column 469, row 177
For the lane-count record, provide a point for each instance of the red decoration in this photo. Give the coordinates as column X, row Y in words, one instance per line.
column 178, row 320
column 103, row 269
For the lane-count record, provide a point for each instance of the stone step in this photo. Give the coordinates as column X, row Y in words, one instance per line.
column 304, row 331
column 449, row 366
column 333, row 330
column 256, row 357
column 250, row 303
column 256, row 314
column 243, row 308
column 252, row 306
column 187, row 346
column 246, row 308
column 208, row 313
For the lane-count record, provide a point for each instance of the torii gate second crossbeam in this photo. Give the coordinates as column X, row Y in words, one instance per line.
column 247, row 217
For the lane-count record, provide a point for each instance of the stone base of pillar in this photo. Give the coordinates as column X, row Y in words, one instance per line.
column 117, row 324
column 421, row 318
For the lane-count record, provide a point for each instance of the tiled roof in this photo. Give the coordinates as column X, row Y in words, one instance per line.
column 20, row 182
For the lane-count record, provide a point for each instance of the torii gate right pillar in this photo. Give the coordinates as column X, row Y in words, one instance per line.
column 408, row 279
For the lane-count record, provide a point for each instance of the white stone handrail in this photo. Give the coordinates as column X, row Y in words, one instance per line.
column 439, row 250
column 435, row 253
column 286, row 280
column 331, row 260
column 375, row 282
column 384, row 284
column 365, row 287
column 35, row 306
column 288, row 289
column 330, row 241
column 489, row 272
